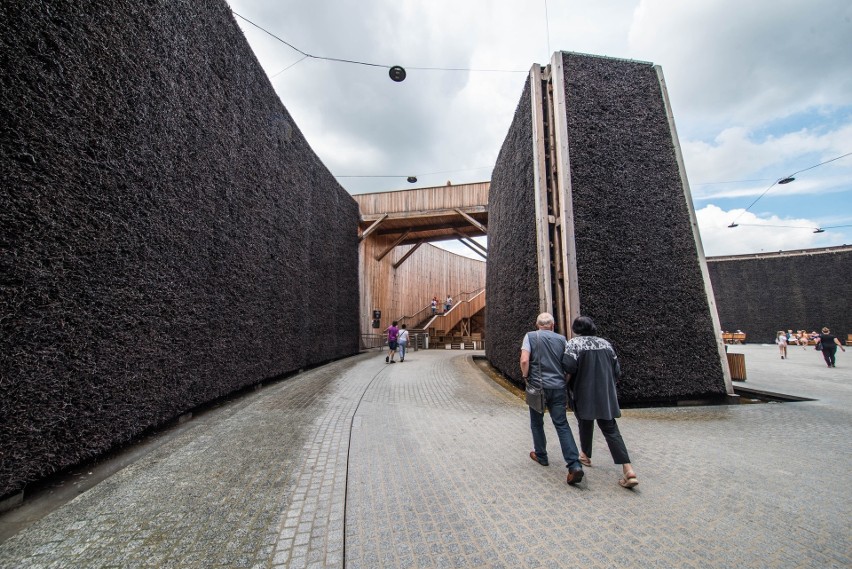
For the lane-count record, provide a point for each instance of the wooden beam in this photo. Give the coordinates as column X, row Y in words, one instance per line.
column 562, row 166
column 542, row 231
column 458, row 224
column 472, row 221
column 413, row 238
column 477, row 243
column 474, row 249
column 393, row 245
column 480, row 245
column 407, row 255
column 373, row 227
column 425, row 213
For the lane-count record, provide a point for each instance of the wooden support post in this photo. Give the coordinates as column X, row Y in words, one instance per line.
column 478, row 244
column 407, row 255
column 472, row 248
column 465, row 327
column 555, row 199
column 373, row 227
column 472, row 221
column 545, row 290
column 470, row 241
column 562, row 182
column 393, row 245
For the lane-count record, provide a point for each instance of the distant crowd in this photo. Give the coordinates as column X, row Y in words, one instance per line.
column 800, row 338
column 825, row 342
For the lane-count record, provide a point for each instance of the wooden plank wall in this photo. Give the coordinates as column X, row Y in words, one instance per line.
column 430, row 271
column 424, row 199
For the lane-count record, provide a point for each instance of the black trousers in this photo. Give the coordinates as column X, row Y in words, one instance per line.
column 828, row 354
column 610, row 431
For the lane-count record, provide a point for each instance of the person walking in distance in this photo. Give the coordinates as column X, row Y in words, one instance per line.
column 402, row 342
column 593, row 368
column 781, row 340
column 829, row 344
column 393, row 335
column 541, row 365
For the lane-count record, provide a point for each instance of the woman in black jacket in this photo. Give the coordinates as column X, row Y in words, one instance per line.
column 593, row 367
column 829, row 344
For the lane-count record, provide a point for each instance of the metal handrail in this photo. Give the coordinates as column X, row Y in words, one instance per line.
column 417, row 341
column 466, row 296
column 463, row 305
column 414, row 317
column 370, row 341
column 418, row 317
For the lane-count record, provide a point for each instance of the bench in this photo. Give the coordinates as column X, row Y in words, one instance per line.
column 734, row 337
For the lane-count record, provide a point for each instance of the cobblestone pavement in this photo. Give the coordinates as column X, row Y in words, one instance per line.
column 361, row 464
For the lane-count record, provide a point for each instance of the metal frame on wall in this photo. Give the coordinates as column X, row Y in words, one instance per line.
column 557, row 258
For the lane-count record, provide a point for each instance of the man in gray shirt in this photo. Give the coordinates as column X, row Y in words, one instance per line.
column 541, row 365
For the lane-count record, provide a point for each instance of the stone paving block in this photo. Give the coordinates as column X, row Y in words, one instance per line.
column 438, row 476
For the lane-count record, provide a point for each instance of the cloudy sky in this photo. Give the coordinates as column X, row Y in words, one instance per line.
column 760, row 89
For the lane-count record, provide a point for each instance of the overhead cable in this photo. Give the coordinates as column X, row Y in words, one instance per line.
column 355, row 62
column 404, row 176
column 784, row 180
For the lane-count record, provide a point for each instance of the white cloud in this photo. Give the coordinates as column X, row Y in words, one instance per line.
column 736, row 155
column 759, row 89
column 755, row 234
column 729, row 61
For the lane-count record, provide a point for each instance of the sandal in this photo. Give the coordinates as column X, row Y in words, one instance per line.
column 628, row 480
column 585, row 460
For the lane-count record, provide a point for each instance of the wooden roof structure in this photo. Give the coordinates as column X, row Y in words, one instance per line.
column 424, row 215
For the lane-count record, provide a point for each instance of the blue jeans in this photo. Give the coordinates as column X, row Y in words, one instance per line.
column 556, row 400
column 402, row 346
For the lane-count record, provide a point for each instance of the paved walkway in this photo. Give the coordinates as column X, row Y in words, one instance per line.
column 361, row 464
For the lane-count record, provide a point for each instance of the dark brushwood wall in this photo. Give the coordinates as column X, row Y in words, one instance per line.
column 512, row 277
column 637, row 259
column 638, row 265
column 803, row 290
column 167, row 236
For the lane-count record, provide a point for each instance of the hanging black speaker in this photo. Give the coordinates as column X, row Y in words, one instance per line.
column 397, row 73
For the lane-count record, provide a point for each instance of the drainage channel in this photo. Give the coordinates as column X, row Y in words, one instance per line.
column 749, row 395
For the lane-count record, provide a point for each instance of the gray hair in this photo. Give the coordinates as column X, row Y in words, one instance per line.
column 544, row 319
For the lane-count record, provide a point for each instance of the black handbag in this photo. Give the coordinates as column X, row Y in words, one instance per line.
column 818, row 346
column 535, row 395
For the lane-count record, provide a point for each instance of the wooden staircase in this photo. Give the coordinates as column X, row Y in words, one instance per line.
column 451, row 330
